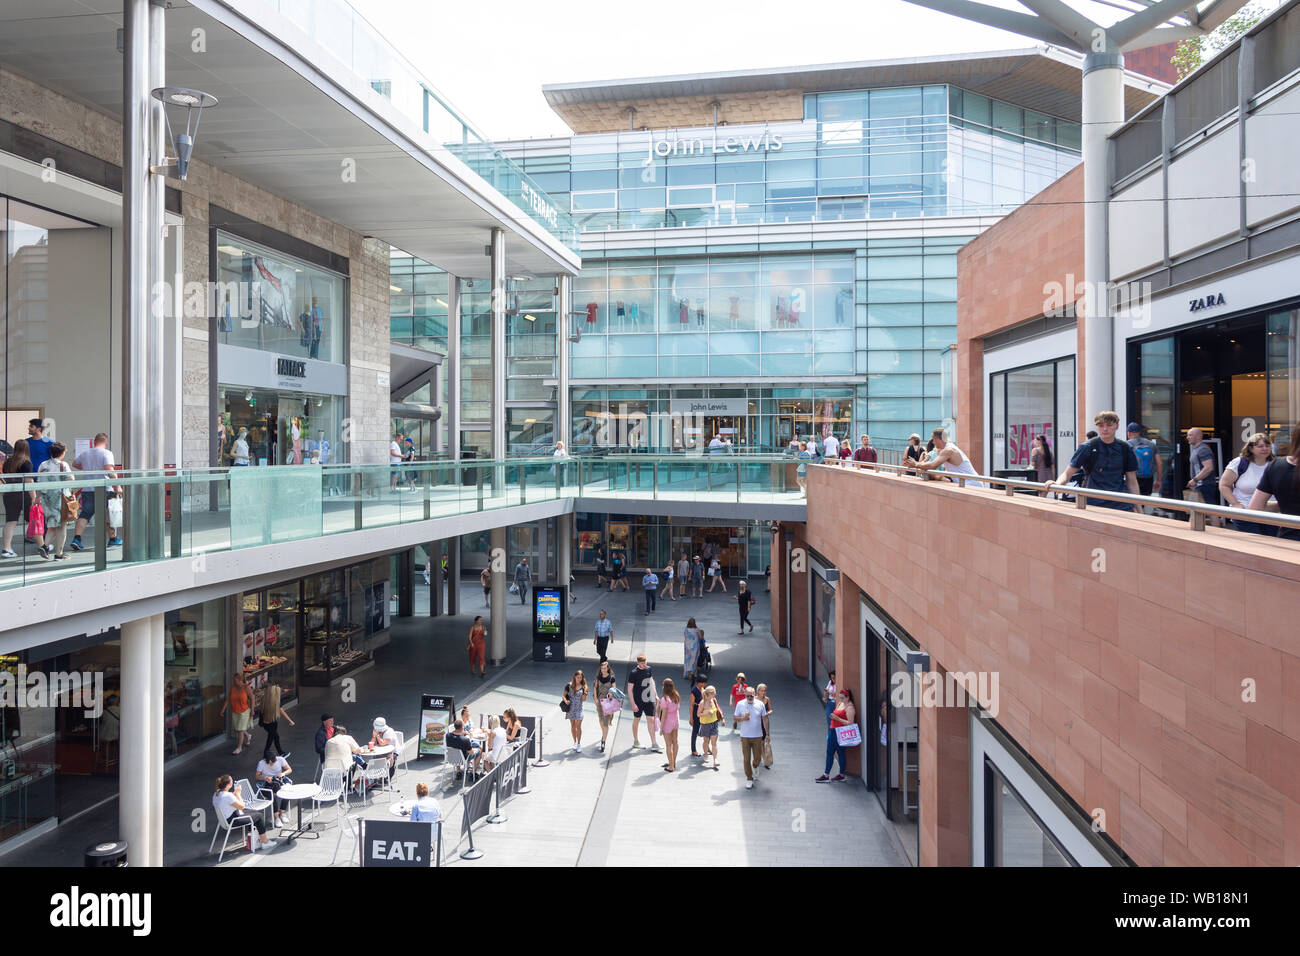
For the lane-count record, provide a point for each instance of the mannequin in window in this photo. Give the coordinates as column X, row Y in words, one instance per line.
column 317, row 327
column 322, row 447
column 295, row 435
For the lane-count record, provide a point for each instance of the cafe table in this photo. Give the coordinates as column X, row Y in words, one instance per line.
column 299, row 793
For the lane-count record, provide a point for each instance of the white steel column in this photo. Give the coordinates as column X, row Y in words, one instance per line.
column 1103, row 113
column 157, row 754
column 498, row 561
column 497, row 250
column 155, row 332
column 135, row 743
column 563, row 404
column 563, row 548
column 452, row 367
column 137, row 428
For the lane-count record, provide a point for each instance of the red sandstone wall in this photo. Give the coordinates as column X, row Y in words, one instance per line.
column 1124, row 685
column 1001, row 278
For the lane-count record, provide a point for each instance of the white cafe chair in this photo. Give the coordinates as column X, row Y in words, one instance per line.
column 401, row 751
column 239, row 821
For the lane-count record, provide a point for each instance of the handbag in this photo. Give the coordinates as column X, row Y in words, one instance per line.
column 848, row 735
column 564, row 701
column 767, row 754
column 69, row 507
column 609, row 706
column 36, row 521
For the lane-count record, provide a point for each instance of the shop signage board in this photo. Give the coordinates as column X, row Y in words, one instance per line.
column 726, row 407
column 437, row 712
column 396, row 843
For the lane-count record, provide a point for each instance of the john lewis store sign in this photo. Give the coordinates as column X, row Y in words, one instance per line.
column 700, row 146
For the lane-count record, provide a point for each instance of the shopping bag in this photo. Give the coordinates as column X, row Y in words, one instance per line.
column 115, row 512
column 848, row 735
column 514, row 589
column 609, row 706
column 36, row 521
column 767, row 754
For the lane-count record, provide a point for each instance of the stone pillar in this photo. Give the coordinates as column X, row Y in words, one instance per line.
column 799, row 636
column 500, row 581
column 944, row 742
column 563, row 549
column 777, row 558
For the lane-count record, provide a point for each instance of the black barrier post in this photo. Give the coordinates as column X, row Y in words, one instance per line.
column 539, row 762
column 523, row 768
column 498, row 816
column 437, row 846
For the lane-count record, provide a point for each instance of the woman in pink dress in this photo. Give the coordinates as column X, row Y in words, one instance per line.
column 668, row 705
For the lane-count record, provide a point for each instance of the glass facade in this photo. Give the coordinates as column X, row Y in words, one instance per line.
column 907, row 151
column 1027, row 402
column 417, row 303
column 272, row 302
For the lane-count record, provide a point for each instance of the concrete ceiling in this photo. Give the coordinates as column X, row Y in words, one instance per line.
column 289, row 117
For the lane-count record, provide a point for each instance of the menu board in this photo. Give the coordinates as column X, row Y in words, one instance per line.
column 436, row 716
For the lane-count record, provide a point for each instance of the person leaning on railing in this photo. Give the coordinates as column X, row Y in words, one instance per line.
column 1281, row 479
column 1108, row 462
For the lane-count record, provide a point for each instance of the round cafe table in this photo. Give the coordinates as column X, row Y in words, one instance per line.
column 299, row 793
column 402, row 808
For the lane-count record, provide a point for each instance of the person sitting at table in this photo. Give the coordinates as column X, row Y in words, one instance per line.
column 383, row 736
column 466, row 722
column 495, row 743
column 465, row 744
column 323, row 734
column 425, row 808
column 226, row 803
column 342, row 747
column 514, row 726
column 273, row 772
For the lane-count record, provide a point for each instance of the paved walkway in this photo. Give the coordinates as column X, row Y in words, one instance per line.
column 587, row 809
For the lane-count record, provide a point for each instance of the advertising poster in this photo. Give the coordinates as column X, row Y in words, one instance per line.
column 548, row 612
column 436, row 716
column 259, row 643
column 588, row 540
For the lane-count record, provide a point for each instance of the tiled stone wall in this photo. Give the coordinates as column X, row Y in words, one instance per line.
column 1124, row 684
column 33, row 107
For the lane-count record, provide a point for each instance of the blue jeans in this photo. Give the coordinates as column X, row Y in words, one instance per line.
column 833, row 750
column 1252, row 527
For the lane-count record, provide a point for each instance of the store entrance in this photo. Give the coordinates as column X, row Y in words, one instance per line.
column 734, row 428
column 1212, row 377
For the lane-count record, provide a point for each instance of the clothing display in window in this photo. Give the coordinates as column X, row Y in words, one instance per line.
column 794, row 312
column 684, row 311
column 619, row 310
column 632, row 311
column 779, row 313
column 734, row 315
column 843, row 302
column 591, row 313
column 699, row 316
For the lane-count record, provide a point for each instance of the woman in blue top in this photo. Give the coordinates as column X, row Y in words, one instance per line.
column 801, row 473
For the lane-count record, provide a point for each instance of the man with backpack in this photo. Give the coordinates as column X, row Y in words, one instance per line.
column 1150, row 465
column 1109, row 463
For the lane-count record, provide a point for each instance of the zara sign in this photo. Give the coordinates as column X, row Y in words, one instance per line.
column 1207, row 301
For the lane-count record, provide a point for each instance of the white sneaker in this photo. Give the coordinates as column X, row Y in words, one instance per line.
column 749, row 785
column 270, row 843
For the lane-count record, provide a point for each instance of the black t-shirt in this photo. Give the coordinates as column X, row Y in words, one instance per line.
column 1278, row 480
column 460, row 742
column 746, row 598
column 697, row 695
column 913, row 452
column 1107, row 471
column 640, row 679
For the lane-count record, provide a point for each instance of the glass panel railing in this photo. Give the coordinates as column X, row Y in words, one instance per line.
column 340, row 29
column 196, row 512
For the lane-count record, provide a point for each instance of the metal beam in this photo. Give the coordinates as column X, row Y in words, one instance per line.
column 1066, row 19
column 1022, row 23
column 1128, row 30
column 1162, row 35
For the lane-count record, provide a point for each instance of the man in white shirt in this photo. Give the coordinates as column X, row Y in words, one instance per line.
column 97, row 462
column 395, row 458
column 749, row 718
column 831, row 449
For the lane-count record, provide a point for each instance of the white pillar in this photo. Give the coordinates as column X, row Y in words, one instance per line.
column 563, row 548
column 1103, row 113
column 155, row 335
column 135, row 788
column 452, row 367
column 498, row 414
column 498, row 559
column 563, row 406
column 157, row 745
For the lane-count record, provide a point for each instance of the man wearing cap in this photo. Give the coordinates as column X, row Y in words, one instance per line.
column 383, row 736
column 1150, row 466
column 323, row 735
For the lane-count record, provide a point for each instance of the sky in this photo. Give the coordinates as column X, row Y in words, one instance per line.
column 490, row 59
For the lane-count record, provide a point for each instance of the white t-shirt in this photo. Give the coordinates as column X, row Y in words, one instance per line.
column 754, row 726
column 239, row 450
column 95, row 462
column 498, row 743
column 560, row 453
column 832, row 447
column 223, row 801
column 394, row 453
column 1244, row 489
column 271, row 769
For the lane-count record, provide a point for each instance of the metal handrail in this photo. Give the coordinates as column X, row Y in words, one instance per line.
column 1196, row 511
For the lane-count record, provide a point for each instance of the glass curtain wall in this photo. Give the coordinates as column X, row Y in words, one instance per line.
column 907, row 151
column 56, row 318
column 417, row 303
column 1028, row 402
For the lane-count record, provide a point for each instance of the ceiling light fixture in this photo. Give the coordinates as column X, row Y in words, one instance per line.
column 194, row 102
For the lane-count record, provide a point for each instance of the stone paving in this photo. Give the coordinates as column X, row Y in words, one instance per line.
column 587, row 809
